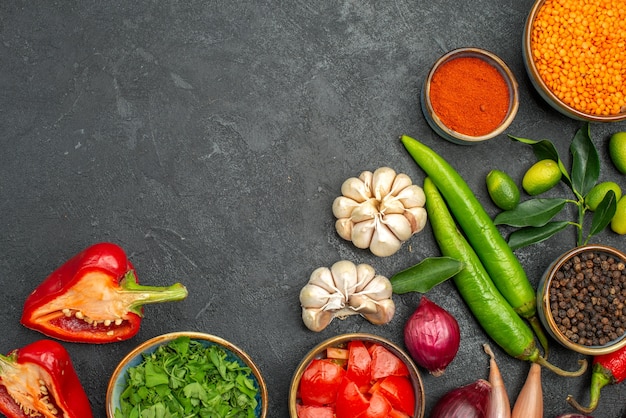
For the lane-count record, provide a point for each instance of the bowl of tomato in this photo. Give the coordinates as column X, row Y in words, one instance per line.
column 356, row 375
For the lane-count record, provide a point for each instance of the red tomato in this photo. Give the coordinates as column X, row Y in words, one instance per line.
column 313, row 411
column 394, row 413
column 351, row 403
column 379, row 406
column 385, row 363
column 359, row 362
column 320, row 381
column 399, row 391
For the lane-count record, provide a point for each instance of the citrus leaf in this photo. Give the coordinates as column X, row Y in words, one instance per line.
column 425, row 275
column 531, row 235
column 603, row 213
column 585, row 161
column 533, row 212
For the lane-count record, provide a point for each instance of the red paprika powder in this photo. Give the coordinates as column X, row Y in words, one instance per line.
column 469, row 95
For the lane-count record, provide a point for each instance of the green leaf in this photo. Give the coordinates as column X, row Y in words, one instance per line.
column 531, row 235
column 425, row 275
column 155, row 375
column 603, row 214
column 585, row 162
column 533, row 212
column 545, row 150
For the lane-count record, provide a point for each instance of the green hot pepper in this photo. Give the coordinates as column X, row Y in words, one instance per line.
column 493, row 312
column 495, row 254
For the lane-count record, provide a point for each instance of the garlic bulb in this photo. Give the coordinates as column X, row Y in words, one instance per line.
column 346, row 289
column 379, row 210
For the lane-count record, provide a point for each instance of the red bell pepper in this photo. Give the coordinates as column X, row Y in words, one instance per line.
column 39, row 380
column 608, row 369
column 93, row 298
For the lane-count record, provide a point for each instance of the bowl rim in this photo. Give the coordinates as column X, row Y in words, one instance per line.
column 540, row 84
column 495, row 61
column 544, row 300
column 167, row 337
column 316, row 351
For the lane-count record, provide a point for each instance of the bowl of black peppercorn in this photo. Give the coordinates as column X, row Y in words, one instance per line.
column 582, row 299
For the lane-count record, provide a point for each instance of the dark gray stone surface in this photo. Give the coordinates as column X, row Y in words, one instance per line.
column 209, row 139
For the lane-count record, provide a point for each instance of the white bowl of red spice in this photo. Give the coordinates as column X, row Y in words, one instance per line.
column 470, row 95
column 582, row 299
column 575, row 55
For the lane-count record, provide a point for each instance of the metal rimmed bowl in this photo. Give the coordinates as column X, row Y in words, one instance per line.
column 341, row 341
column 542, row 87
column 567, row 299
column 117, row 382
column 435, row 120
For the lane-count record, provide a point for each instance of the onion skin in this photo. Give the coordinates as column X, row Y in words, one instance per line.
column 499, row 405
column 432, row 337
column 529, row 402
column 469, row 401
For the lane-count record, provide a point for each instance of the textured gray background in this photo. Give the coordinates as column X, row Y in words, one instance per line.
column 209, row 139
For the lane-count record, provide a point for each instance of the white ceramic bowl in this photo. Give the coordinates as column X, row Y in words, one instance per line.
column 117, row 382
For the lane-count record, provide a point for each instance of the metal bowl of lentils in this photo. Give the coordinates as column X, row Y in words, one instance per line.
column 582, row 299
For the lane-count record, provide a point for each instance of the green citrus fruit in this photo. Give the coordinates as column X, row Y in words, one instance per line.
column 618, row 223
column 502, row 189
column 617, row 151
column 597, row 193
column 541, row 177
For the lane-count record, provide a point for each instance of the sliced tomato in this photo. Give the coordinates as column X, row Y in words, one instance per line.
column 399, row 391
column 314, row 411
column 394, row 413
column 385, row 363
column 351, row 403
column 320, row 381
column 379, row 406
column 359, row 364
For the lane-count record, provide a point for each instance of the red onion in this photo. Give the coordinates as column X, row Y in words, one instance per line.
column 432, row 337
column 469, row 401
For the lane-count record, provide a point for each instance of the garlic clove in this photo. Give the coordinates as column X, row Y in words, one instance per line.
column 378, row 288
column 343, row 207
column 312, row 296
column 366, row 178
column 390, row 204
column 344, row 228
column 362, row 304
column 401, row 182
column 382, row 182
column 364, row 273
column 417, row 218
column 384, row 312
column 412, row 196
column 355, row 189
column 344, row 275
column 384, row 242
column 323, row 278
column 316, row 319
column 362, row 233
column 399, row 225
column 365, row 211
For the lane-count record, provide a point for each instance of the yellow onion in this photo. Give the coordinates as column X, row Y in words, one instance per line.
column 432, row 337
column 469, row 401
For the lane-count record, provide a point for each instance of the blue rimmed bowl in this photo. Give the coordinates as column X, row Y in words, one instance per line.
column 117, row 382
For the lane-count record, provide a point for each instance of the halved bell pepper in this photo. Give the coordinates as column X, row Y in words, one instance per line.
column 94, row 298
column 39, row 380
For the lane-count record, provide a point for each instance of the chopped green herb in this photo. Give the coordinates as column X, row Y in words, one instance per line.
column 185, row 378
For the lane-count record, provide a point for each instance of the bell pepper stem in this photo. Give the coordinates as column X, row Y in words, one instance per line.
column 144, row 295
column 535, row 324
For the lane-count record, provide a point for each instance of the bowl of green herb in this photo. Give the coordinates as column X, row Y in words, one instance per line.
column 186, row 374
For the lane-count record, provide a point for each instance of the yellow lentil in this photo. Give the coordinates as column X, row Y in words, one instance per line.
column 578, row 50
